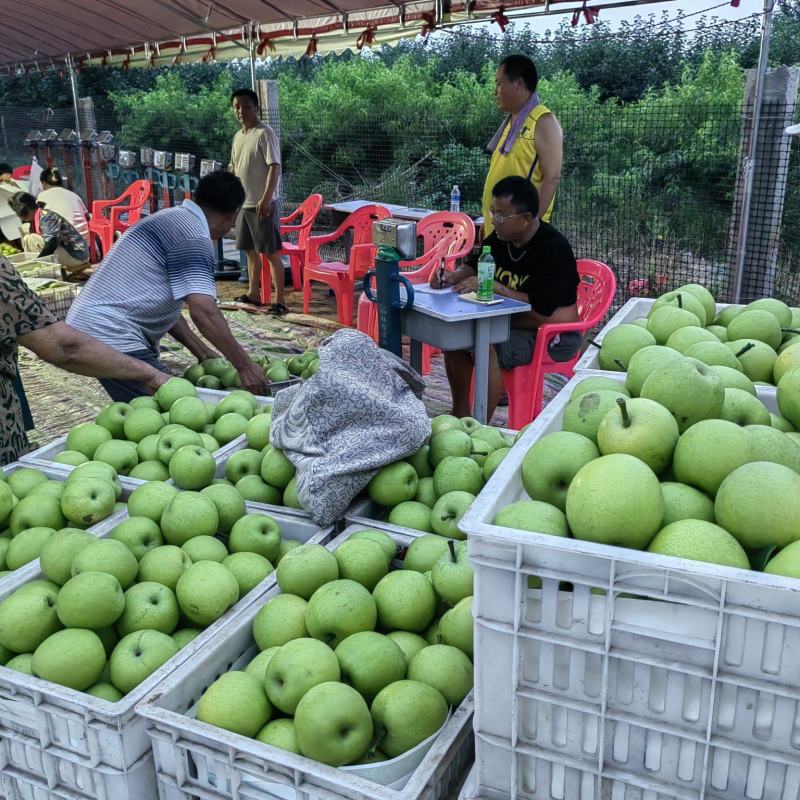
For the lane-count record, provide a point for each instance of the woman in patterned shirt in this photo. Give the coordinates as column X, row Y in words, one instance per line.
column 56, row 235
column 25, row 320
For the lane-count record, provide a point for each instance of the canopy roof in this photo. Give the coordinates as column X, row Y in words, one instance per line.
column 34, row 34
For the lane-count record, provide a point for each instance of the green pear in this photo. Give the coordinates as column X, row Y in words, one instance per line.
column 684, row 338
column 769, row 444
column 616, row 500
column 757, row 324
column 757, row 359
column 681, row 300
column 641, row 428
column 594, row 383
column 727, row 314
column 584, row 414
column 744, row 409
column 776, row 307
column 788, row 396
column 620, row 343
column 734, row 379
column 704, row 296
column 644, row 362
column 788, row 359
column 534, row 516
column 713, row 354
column 685, row 502
column 665, row 320
column 699, row 540
column 708, row 452
column 719, row 331
column 552, row 462
column 759, row 503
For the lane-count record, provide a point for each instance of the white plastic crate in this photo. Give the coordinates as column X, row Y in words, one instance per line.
column 46, row 453
column 627, row 675
column 43, row 780
column 196, row 760
column 57, row 472
column 71, row 731
column 634, row 309
column 24, row 259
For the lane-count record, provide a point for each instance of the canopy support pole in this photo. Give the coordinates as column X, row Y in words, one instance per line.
column 251, row 49
column 750, row 164
column 73, row 82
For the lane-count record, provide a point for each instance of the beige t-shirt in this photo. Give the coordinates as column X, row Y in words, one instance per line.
column 252, row 154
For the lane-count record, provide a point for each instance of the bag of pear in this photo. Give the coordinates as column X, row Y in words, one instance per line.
column 360, row 411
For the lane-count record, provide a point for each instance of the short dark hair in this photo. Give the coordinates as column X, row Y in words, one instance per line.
column 23, row 203
column 220, row 191
column 246, row 93
column 52, row 177
column 519, row 66
column 521, row 192
column 4, row 168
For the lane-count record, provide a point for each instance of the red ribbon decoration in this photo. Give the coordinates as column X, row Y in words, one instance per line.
column 311, row 50
column 735, row 3
column 430, row 22
column 501, row 19
column 367, row 37
column 589, row 14
column 264, row 44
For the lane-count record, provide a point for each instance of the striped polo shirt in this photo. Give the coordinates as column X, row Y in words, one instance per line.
column 138, row 292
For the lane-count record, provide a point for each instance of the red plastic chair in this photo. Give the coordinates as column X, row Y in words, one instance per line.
column 339, row 276
column 295, row 251
column 21, row 173
column 129, row 204
column 418, row 270
column 455, row 228
column 525, row 385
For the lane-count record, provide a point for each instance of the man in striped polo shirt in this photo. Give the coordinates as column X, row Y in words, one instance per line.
column 163, row 262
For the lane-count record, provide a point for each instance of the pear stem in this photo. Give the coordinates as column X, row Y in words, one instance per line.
column 790, row 330
column 593, row 343
column 452, row 547
column 626, row 417
column 680, row 300
column 620, row 365
column 748, row 346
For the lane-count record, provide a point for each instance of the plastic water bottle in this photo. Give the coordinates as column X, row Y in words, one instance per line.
column 486, row 274
column 455, row 199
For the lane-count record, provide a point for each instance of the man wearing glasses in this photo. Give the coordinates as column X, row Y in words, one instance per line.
column 534, row 263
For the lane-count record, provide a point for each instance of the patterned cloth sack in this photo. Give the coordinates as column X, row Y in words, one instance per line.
column 359, row 412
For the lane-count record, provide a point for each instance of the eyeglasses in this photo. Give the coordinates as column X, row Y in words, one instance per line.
column 499, row 219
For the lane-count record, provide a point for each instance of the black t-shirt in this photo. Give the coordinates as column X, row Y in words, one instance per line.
column 545, row 268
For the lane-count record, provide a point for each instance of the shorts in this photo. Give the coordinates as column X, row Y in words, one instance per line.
column 125, row 391
column 254, row 233
column 518, row 350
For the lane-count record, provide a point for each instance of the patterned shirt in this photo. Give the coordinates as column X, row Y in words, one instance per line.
column 21, row 312
column 137, row 294
column 57, row 232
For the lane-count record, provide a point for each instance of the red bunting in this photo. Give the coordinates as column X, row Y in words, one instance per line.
column 589, row 14
column 367, row 37
column 501, row 19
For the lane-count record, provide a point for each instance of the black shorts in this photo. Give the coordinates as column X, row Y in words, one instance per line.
column 254, row 233
column 518, row 350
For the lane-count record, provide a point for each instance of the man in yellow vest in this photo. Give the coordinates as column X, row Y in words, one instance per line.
column 529, row 143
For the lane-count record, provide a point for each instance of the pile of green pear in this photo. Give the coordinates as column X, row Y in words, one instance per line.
column 758, row 341
column 219, row 373
column 671, row 460
column 34, row 507
column 7, row 249
column 430, row 490
column 359, row 655
column 140, row 438
column 107, row 612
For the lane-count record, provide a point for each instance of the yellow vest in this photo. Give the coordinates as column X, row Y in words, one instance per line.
column 521, row 160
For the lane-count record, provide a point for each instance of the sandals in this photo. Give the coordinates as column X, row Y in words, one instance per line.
column 243, row 298
column 277, row 309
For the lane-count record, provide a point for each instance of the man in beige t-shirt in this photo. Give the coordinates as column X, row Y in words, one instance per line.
column 256, row 161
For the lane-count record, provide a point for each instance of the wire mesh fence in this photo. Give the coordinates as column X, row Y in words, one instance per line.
column 651, row 188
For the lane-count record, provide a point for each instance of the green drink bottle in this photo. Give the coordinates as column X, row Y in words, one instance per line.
column 486, row 274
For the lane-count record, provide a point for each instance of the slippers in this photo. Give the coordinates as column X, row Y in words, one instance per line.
column 277, row 309
column 243, row 298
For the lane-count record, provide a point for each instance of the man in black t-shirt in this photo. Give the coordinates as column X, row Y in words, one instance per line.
column 534, row 263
